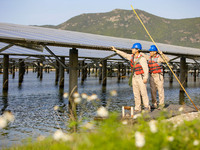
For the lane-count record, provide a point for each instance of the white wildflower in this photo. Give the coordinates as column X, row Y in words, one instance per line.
column 84, row 96
column 102, row 112
column 139, row 139
column 152, row 125
column 59, row 135
column 65, row 95
column 196, row 142
column 8, row 115
column 3, row 122
column 180, row 109
column 76, row 95
column 124, row 122
column 170, row 138
column 92, row 97
column 100, row 65
column 89, row 126
column 77, row 100
column 56, row 107
column 113, row 93
column 136, row 116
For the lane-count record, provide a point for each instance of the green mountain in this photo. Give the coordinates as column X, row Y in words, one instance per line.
column 124, row 23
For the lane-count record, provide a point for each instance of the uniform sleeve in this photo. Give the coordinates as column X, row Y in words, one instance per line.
column 145, row 55
column 125, row 55
column 161, row 60
column 145, row 68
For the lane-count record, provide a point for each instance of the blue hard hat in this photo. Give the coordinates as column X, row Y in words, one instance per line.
column 153, row 48
column 137, row 45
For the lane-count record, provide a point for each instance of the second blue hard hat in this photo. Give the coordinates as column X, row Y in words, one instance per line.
column 137, row 45
column 153, row 48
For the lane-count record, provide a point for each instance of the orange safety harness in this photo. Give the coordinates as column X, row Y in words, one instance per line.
column 154, row 66
column 135, row 65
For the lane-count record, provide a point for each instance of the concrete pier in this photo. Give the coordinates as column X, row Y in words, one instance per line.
column 5, row 72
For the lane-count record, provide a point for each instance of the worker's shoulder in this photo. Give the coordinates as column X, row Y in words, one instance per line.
column 143, row 58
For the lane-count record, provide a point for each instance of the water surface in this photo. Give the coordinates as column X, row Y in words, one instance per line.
column 32, row 103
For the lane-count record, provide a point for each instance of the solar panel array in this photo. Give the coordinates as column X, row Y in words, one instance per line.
column 39, row 33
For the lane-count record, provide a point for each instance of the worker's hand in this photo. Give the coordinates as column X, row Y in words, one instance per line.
column 145, row 81
column 113, row 48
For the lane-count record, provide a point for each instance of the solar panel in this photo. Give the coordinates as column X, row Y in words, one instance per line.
column 56, row 35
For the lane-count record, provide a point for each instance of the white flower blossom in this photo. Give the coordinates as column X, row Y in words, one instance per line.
column 3, row 122
column 84, row 96
column 56, row 107
column 77, row 100
column 76, row 95
column 180, row 109
column 139, row 139
column 196, row 142
column 6, row 118
column 152, row 125
column 89, row 126
column 113, row 93
column 92, row 97
column 59, row 135
column 102, row 112
column 65, row 95
column 8, row 115
column 124, row 122
column 170, row 138
column 136, row 116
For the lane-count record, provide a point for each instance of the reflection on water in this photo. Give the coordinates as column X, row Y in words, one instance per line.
column 32, row 103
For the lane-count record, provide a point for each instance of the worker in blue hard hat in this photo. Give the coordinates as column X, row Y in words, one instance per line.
column 139, row 77
column 156, row 75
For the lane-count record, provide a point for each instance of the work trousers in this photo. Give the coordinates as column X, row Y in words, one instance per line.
column 156, row 83
column 140, row 90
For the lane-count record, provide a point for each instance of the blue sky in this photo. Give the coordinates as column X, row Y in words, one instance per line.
column 54, row 12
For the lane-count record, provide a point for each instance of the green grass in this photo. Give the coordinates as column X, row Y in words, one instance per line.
column 111, row 134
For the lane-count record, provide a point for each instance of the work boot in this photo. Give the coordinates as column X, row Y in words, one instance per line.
column 160, row 107
column 147, row 109
column 137, row 111
column 154, row 106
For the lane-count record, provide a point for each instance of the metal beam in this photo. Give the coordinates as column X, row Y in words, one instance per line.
column 6, row 47
column 174, row 58
column 61, row 63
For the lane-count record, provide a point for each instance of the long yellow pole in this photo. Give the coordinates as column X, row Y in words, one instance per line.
column 164, row 58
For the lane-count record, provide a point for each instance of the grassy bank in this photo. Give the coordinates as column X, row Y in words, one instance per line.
column 117, row 134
